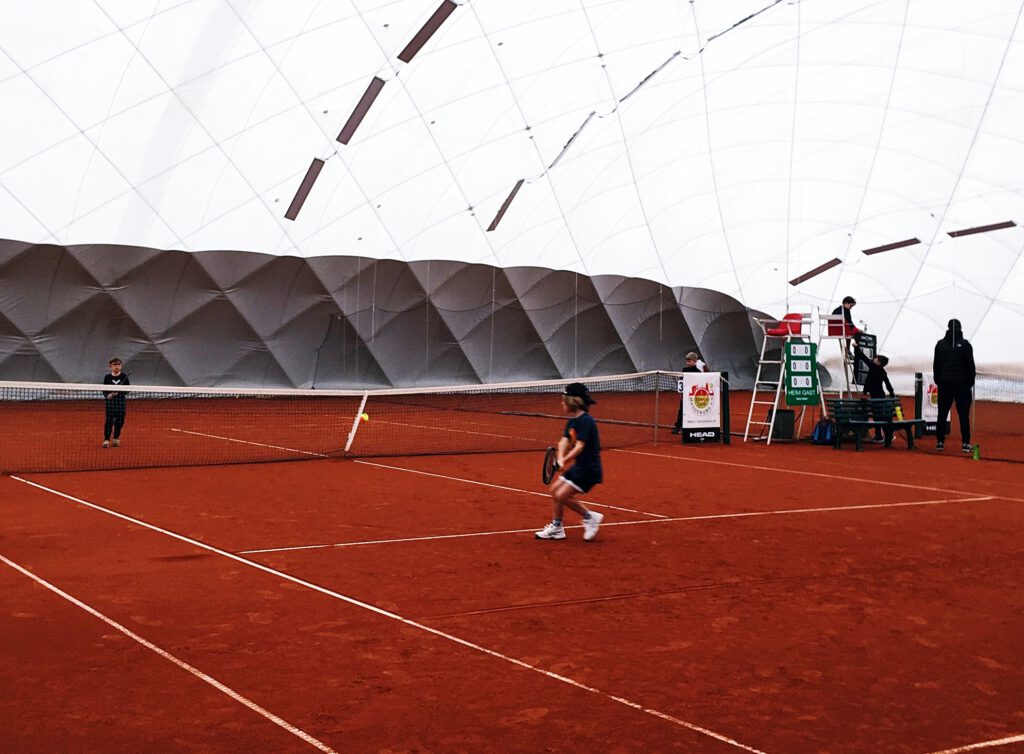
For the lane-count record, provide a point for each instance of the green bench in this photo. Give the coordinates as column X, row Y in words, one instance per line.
column 856, row 416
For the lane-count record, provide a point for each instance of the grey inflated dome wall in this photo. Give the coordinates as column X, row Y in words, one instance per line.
column 222, row 318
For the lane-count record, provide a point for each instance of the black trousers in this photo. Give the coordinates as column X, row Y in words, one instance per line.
column 950, row 393
column 114, row 421
column 876, row 413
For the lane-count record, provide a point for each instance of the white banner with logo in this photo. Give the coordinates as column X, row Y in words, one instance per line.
column 702, row 407
column 930, row 401
column 930, row 405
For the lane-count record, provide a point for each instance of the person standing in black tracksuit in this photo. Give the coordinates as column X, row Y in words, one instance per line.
column 954, row 373
column 876, row 382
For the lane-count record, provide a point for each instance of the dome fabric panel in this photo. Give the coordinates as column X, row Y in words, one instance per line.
column 724, row 145
column 239, row 319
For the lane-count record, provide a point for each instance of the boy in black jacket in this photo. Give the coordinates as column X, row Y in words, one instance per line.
column 115, row 404
column 876, row 379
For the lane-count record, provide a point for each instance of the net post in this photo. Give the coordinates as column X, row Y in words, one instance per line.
column 726, row 423
column 657, row 396
column 355, row 422
column 918, row 405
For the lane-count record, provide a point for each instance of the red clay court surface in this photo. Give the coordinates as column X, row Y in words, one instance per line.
column 782, row 599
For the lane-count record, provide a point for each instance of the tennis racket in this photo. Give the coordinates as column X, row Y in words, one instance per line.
column 547, row 472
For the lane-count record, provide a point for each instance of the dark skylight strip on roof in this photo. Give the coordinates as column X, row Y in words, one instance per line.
column 304, row 188
column 816, row 271
column 891, row 246
column 572, row 139
column 504, row 206
column 433, row 24
column 361, row 109
column 651, row 75
column 981, row 229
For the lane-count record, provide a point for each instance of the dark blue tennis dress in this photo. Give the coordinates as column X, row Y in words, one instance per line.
column 586, row 471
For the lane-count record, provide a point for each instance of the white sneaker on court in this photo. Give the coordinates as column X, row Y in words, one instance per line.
column 591, row 525
column 551, row 531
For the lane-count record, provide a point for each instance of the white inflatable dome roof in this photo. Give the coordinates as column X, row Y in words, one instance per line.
column 737, row 145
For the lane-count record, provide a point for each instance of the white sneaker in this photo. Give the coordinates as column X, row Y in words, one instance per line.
column 591, row 525
column 106, row 443
column 117, row 443
column 551, row 532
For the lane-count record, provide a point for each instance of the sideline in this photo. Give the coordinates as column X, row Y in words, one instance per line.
column 794, row 471
column 502, row 487
column 180, row 663
column 396, row 617
column 411, row 471
column 982, row 745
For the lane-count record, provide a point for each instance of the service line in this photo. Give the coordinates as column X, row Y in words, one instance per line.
column 639, row 522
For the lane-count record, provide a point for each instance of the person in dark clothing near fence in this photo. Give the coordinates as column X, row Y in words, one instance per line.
column 876, row 382
column 115, row 405
column 954, row 373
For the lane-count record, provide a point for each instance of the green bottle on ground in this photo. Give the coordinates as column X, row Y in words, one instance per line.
column 976, row 452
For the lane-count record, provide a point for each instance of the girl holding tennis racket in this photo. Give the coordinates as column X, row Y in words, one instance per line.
column 579, row 457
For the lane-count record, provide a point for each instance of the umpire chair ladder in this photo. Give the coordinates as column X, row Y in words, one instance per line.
column 791, row 327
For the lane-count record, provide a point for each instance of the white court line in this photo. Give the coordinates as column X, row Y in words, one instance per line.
column 396, row 617
column 411, row 471
column 180, row 663
column 436, row 428
column 982, row 745
column 248, row 442
column 791, row 471
column 641, row 522
column 393, row 541
column 614, row 450
column 501, row 487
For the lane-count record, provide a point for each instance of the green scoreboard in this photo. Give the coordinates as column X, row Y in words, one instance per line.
column 801, row 373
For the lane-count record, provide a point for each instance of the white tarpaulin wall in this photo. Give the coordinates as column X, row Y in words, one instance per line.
column 729, row 145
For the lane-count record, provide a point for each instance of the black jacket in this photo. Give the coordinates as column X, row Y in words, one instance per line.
column 847, row 314
column 877, row 380
column 954, row 359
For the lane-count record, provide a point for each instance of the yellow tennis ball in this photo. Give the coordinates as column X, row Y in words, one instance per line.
column 365, row 417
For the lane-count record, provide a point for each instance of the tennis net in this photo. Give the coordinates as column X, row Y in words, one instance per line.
column 60, row 427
